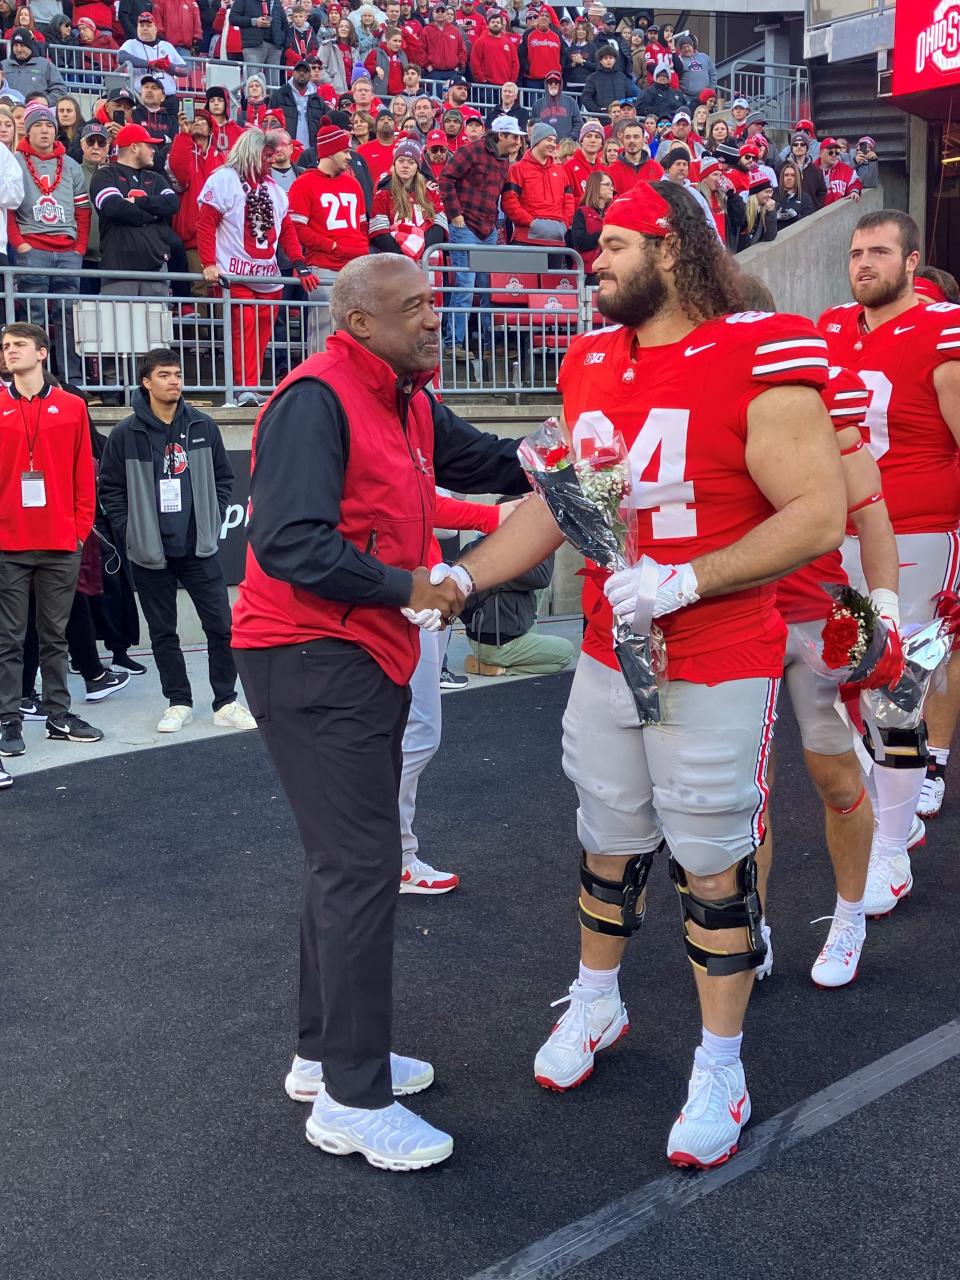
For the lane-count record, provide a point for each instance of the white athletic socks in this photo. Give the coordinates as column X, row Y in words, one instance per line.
column 898, row 791
column 850, row 912
column 939, row 756
column 596, row 983
column 717, row 1051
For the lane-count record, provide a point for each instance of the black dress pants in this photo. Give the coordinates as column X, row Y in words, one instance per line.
column 333, row 723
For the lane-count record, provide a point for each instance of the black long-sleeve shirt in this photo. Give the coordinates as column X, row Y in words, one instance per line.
column 303, row 442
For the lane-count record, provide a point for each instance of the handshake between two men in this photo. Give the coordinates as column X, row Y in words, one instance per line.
column 438, row 595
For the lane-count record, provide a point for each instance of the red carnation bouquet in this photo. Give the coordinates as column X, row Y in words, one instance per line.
column 586, row 497
column 854, row 646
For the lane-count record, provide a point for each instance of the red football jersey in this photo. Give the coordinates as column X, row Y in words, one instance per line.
column 915, row 451
column 682, row 412
column 800, row 595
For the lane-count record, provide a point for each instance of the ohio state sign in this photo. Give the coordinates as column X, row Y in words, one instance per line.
column 926, row 45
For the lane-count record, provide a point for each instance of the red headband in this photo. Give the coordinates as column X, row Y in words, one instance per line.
column 641, row 209
column 929, row 289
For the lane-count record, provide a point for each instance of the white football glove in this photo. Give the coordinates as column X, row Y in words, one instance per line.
column 462, row 579
column 425, row 619
column 887, row 604
column 628, row 592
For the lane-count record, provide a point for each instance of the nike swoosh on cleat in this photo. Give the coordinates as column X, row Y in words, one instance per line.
column 737, row 1111
column 897, row 889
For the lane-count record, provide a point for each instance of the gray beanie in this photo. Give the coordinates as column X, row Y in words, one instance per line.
column 541, row 131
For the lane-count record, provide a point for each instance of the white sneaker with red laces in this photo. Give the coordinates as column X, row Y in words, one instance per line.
column 707, row 1130
column 836, row 965
column 889, row 881
column 420, row 877
column 931, row 796
column 589, row 1025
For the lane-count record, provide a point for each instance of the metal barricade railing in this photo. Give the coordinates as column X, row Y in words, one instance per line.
column 508, row 315
column 229, row 341
column 782, row 90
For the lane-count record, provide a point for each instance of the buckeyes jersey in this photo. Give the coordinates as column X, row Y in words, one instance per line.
column 681, row 410
column 917, row 455
column 800, row 595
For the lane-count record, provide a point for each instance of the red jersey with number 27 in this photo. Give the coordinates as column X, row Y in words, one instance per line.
column 682, row 412
column 914, row 448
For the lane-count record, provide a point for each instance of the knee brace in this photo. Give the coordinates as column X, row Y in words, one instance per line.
column 625, row 894
column 902, row 748
column 740, row 911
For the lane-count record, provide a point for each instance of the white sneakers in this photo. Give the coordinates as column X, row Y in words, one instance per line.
column 567, row 1057
column 234, row 716
column 174, row 718
column 305, row 1078
column 764, row 970
column 931, row 796
column 889, row 880
column 420, row 877
column 836, row 965
column 707, row 1130
column 388, row 1137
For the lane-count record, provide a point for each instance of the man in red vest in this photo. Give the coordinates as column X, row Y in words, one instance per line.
column 347, row 455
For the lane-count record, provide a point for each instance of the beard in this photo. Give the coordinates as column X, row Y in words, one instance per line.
column 637, row 299
column 880, row 293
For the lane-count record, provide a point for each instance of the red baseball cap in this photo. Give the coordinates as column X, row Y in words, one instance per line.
column 436, row 138
column 553, row 75
column 146, row 16
column 132, row 133
column 748, row 149
column 805, row 125
column 827, row 143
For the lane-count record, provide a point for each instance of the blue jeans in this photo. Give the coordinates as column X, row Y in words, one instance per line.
column 56, row 313
column 465, row 282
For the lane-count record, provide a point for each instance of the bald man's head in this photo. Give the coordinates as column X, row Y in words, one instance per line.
column 385, row 303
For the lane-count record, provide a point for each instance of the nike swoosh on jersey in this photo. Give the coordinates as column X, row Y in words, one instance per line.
column 906, row 329
column 692, row 351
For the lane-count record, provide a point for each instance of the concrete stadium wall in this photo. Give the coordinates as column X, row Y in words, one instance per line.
column 805, row 268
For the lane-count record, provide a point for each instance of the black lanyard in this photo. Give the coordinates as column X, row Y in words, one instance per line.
column 31, row 439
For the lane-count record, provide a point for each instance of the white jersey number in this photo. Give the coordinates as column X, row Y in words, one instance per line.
column 881, row 389
column 669, row 497
column 345, row 202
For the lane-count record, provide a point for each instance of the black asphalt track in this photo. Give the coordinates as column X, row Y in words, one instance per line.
column 148, row 909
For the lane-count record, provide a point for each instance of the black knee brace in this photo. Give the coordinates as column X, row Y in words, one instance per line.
column 740, row 911
column 902, row 748
column 625, row 894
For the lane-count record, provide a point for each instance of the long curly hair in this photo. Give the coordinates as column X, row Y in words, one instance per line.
column 706, row 277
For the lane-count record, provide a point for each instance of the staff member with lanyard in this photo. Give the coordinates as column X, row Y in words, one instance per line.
column 46, row 514
column 347, row 455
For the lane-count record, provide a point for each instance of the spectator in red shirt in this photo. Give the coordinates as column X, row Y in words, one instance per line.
column 588, row 219
column 178, row 21
column 493, row 55
column 444, row 50
column 541, row 51
column 633, row 164
column 387, row 62
column 407, row 212
column 437, row 152
column 453, row 128
column 470, row 21
column 379, row 151
column 538, row 198
column 841, row 178
column 587, row 159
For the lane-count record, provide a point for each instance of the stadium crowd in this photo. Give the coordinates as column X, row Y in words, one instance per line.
column 371, row 146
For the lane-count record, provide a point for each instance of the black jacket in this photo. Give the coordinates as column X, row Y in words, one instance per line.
column 134, row 234
column 127, row 14
column 137, row 455
column 791, row 207
column 283, row 100
column 603, row 87
column 506, row 612
column 660, row 100
column 242, row 14
column 307, row 439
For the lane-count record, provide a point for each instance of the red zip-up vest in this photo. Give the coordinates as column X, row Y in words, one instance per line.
column 387, row 510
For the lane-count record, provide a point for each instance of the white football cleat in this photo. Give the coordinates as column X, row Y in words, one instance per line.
column 707, row 1130
column 305, row 1078
column 836, row 965
column 388, row 1137
column 420, row 877
column 889, row 880
column 566, row 1058
column 931, row 796
column 918, row 834
column 764, row 970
